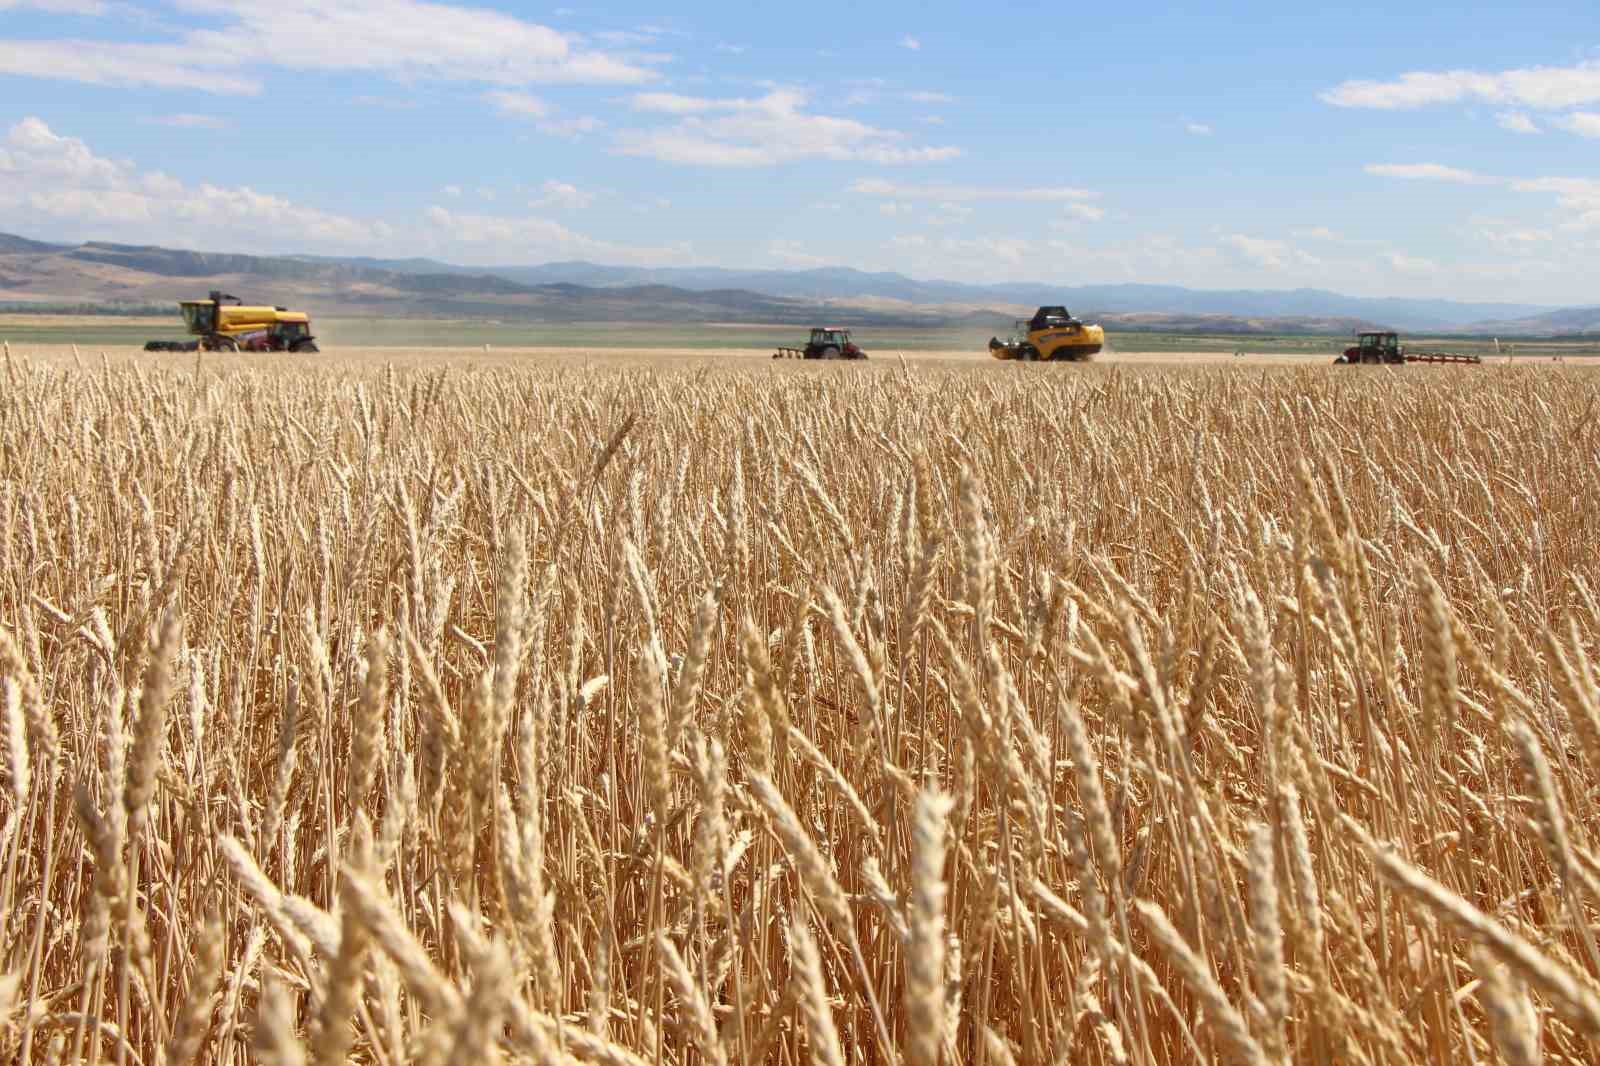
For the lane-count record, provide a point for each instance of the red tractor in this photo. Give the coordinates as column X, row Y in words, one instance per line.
column 1381, row 347
column 827, row 342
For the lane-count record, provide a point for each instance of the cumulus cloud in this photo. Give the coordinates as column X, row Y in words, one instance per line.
column 910, row 43
column 521, row 105
column 1580, row 196
column 561, row 194
column 518, row 104
column 966, row 193
column 532, row 237
column 1199, row 129
column 1541, row 88
column 56, row 7
column 1516, row 122
column 1428, row 172
column 1583, row 123
column 406, row 39
column 797, row 254
column 186, row 121
column 123, row 65
column 60, row 177
column 924, row 97
column 1266, row 252
column 762, row 131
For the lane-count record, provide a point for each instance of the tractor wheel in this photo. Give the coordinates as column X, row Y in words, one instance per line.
column 223, row 344
column 306, row 346
column 830, row 352
column 1029, row 354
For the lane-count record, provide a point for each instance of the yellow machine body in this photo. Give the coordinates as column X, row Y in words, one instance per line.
column 204, row 317
column 1051, row 335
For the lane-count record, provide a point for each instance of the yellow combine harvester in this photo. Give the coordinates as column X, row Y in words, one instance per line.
column 1051, row 335
column 235, row 328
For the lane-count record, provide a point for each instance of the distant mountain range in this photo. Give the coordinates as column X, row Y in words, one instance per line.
column 845, row 283
column 96, row 272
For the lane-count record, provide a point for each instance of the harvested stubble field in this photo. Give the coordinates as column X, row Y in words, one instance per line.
column 725, row 715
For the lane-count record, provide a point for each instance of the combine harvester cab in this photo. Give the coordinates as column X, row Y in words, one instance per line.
column 1052, row 335
column 1382, row 347
column 233, row 327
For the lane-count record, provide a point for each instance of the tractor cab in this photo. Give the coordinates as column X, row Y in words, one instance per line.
column 1375, row 346
column 832, row 342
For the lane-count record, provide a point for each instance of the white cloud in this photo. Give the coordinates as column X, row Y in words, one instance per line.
column 1411, row 264
column 453, row 191
column 56, row 7
column 1581, row 196
column 562, row 194
column 797, row 254
column 58, row 177
column 1428, row 172
column 1583, row 123
column 570, row 127
column 1263, row 251
column 763, row 131
column 119, row 65
column 931, row 120
column 1017, row 252
column 1315, row 233
column 1542, row 88
column 526, row 106
column 923, row 97
column 1085, row 212
column 911, row 43
column 1199, row 129
column 676, row 104
column 1513, row 239
column 404, row 39
column 535, row 238
column 948, row 214
column 966, row 193
column 186, row 121
column 894, row 207
column 519, row 105
column 1516, row 122
column 1578, row 196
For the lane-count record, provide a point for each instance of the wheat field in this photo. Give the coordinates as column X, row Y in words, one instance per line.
column 749, row 714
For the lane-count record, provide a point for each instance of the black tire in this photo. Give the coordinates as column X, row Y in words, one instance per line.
column 830, row 352
column 223, row 344
column 305, row 347
column 1028, row 354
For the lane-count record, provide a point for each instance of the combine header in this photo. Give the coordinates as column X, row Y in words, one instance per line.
column 1378, row 347
column 232, row 327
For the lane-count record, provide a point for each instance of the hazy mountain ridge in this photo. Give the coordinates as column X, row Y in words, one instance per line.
column 120, row 274
column 835, row 283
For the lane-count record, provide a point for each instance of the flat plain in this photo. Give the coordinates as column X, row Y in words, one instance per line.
column 348, row 334
column 629, row 706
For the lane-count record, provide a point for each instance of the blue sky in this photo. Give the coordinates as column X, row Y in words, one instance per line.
column 1376, row 149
